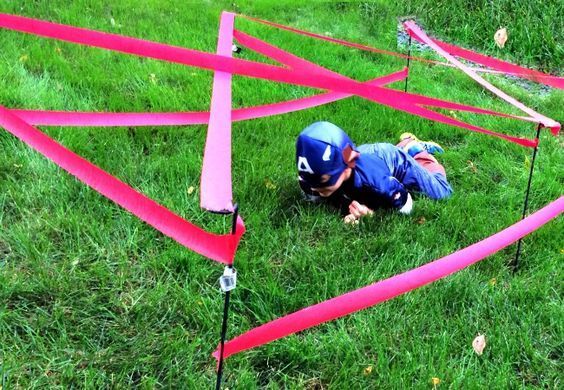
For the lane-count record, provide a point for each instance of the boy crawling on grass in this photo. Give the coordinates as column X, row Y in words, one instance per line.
column 361, row 179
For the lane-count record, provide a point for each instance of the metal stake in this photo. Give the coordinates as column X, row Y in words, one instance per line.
column 408, row 61
column 515, row 263
column 226, row 307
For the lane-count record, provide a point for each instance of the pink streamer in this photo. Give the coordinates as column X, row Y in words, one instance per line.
column 220, row 248
column 216, row 193
column 389, row 288
column 106, row 119
column 289, row 59
column 416, row 32
column 502, row 66
column 394, row 99
column 498, row 66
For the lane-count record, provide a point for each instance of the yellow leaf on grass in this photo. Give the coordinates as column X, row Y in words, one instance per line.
column 500, row 37
column 493, row 281
column 269, row 185
column 190, row 190
column 24, row 58
column 368, row 370
column 479, row 344
column 435, row 381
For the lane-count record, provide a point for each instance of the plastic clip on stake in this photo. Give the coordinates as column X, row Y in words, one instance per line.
column 228, row 281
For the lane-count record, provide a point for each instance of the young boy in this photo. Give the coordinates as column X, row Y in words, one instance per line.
column 359, row 180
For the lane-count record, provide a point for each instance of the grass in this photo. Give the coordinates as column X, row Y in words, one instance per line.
column 90, row 297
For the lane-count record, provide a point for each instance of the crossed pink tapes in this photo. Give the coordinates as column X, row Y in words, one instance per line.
column 216, row 190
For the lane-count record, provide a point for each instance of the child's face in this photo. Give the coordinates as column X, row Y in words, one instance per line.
column 328, row 191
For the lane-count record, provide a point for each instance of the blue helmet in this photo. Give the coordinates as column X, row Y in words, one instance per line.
column 319, row 151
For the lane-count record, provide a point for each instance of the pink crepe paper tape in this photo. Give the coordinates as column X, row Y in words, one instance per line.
column 220, row 248
column 107, row 119
column 498, row 66
column 216, row 193
column 395, row 99
column 392, row 287
column 502, row 66
column 420, row 35
column 294, row 62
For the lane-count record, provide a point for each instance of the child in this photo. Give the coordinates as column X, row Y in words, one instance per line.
column 359, row 180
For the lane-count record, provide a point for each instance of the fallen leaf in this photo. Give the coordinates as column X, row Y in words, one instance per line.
column 472, row 166
column 493, row 281
column 58, row 50
column 500, row 37
column 368, row 370
column 74, row 263
column 479, row 344
column 113, row 22
column 190, row 190
column 562, row 251
column 527, row 162
column 435, row 381
column 24, row 58
column 453, row 114
column 269, row 185
column 421, row 220
column 153, row 78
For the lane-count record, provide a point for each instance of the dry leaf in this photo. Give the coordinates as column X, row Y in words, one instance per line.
column 435, row 381
column 493, row 281
column 500, row 37
column 24, row 58
column 58, row 50
column 527, row 162
column 562, row 251
column 479, row 344
column 368, row 370
column 190, row 190
column 153, row 78
column 421, row 220
column 269, row 185
column 453, row 114
column 472, row 166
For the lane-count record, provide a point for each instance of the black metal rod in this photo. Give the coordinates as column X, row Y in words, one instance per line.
column 515, row 263
column 408, row 62
column 225, row 310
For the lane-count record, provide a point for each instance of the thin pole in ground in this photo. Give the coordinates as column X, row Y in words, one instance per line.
column 408, row 62
column 515, row 263
column 227, row 282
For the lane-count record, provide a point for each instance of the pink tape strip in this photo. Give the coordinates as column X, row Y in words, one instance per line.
column 420, row 35
column 216, row 193
column 338, row 41
column 107, row 119
column 394, row 99
column 220, row 248
column 293, row 61
column 499, row 66
column 389, row 288
column 502, row 66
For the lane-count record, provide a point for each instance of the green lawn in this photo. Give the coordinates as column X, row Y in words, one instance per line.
column 91, row 297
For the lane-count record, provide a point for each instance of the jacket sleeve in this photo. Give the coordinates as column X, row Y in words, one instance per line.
column 391, row 191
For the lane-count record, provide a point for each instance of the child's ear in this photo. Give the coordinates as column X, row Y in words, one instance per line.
column 350, row 155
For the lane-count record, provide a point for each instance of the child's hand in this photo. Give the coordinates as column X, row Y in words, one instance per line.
column 357, row 211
